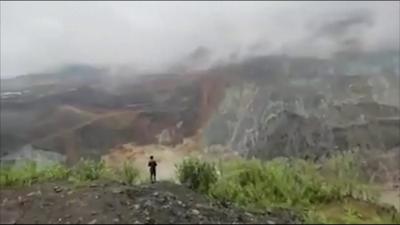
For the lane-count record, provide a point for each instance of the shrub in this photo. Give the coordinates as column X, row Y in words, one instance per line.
column 281, row 182
column 129, row 174
column 55, row 172
column 196, row 174
column 88, row 170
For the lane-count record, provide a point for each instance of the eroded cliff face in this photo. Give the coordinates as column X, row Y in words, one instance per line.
column 267, row 116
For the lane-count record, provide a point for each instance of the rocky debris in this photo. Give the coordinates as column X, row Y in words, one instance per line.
column 93, row 221
column 57, row 189
column 161, row 202
column 35, row 193
column 195, row 212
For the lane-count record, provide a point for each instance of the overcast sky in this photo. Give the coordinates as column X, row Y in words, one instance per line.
column 37, row 36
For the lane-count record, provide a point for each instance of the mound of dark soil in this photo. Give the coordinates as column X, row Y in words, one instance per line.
column 113, row 203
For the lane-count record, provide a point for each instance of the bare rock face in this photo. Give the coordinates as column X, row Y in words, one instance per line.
column 268, row 117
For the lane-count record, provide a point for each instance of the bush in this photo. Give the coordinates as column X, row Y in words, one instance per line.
column 88, row 170
column 196, row 174
column 129, row 174
column 281, row 182
column 55, row 172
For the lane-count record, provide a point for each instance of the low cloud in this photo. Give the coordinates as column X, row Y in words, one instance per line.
column 38, row 36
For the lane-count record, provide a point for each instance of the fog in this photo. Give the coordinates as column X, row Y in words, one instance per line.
column 39, row 36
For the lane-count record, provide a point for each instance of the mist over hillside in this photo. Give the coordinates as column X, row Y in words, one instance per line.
column 266, row 89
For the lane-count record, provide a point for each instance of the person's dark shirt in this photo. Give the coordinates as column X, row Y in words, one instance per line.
column 152, row 164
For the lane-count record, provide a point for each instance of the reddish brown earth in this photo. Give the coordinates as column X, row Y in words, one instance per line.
column 88, row 122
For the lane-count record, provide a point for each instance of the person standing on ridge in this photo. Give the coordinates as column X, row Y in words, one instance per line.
column 152, row 164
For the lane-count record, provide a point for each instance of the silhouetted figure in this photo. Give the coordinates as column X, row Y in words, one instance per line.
column 152, row 164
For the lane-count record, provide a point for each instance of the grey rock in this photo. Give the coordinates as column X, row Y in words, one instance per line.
column 164, row 199
column 35, row 193
column 200, row 206
column 171, row 196
column 195, row 212
column 149, row 220
column 57, row 189
column 79, row 221
column 20, row 200
column 248, row 214
column 117, row 191
column 148, row 204
column 67, row 216
column 177, row 213
column 4, row 202
column 93, row 221
column 166, row 207
column 110, row 205
column 240, row 218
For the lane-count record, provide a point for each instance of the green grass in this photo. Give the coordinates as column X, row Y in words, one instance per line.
column 82, row 173
column 332, row 192
column 129, row 174
column 29, row 173
column 353, row 211
column 196, row 174
column 296, row 184
column 87, row 171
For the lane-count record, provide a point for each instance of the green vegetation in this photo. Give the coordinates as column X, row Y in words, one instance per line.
column 196, row 174
column 29, row 173
column 88, row 170
column 331, row 192
column 129, row 174
column 83, row 172
column 297, row 184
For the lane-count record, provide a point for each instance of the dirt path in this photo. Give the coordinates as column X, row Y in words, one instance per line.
column 167, row 157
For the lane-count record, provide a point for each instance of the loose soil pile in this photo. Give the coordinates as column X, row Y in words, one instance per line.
column 114, row 203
